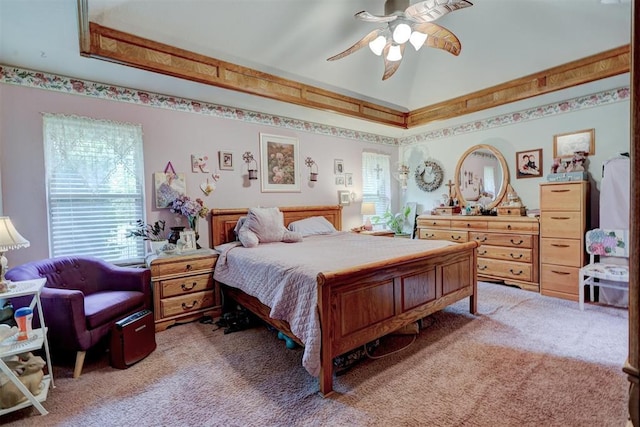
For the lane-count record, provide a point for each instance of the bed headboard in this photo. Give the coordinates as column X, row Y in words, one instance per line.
column 223, row 221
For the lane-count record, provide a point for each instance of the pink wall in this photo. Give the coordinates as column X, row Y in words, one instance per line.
column 168, row 136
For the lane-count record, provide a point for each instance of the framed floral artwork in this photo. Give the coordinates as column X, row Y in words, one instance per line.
column 565, row 144
column 279, row 164
column 529, row 164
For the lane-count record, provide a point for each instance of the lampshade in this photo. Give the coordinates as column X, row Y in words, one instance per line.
column 9, row 237
column 368, row 208
column 378, row 44
column 401, row 33
column 395, row 54
column 417, row 39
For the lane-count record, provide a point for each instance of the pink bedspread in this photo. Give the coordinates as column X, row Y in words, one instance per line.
column 283, row 275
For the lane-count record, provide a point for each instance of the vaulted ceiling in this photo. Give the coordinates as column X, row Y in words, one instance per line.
column 271, row 55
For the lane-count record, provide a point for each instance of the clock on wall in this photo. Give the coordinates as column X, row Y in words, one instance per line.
column 429, row 175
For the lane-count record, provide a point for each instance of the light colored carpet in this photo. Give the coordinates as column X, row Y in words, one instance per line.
column 524, row 360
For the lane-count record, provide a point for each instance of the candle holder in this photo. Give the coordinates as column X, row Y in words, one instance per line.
column 252, row 164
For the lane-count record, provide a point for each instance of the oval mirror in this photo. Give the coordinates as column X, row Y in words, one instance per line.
column 481, row 177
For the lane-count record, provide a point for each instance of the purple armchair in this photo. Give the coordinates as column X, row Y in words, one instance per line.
column 83, row 298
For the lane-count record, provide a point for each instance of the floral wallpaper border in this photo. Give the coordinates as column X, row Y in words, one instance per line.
column 41, row 80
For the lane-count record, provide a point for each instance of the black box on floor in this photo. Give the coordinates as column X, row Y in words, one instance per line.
column 132, row 339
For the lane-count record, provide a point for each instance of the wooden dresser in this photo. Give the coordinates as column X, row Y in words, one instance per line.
column 183, row 287
column 509, row 244
column 563, row 224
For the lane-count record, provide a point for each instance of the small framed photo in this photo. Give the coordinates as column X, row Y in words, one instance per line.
column 338, row 166
column 339, row 179
column 188, row 240
column 344, row 197
column 348, row 179
column 199, row 163
column 225, row 160
column 529, row 163
column 565, row 144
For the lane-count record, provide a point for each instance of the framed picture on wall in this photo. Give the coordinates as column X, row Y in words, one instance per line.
column 338, row 166
column 279, row 163
column 225, row 160
column 344, row 197
column 565, row 144
column 529, row 163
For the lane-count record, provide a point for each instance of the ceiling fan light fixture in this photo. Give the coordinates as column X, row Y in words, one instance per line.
column 418, row 39
column 401, row 33
column 395, row 54
column 378, row 44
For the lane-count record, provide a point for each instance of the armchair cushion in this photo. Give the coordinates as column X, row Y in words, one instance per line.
column 104, row 307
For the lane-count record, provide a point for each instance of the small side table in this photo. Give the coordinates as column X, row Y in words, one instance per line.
column 37, row 339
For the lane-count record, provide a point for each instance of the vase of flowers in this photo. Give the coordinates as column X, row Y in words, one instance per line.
column 192, row 209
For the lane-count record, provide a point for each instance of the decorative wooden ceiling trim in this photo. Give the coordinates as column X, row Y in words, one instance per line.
column 114, row 45
column 605, row 64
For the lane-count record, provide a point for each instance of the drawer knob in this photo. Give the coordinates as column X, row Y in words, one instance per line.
column 508, row 226
column 468, row 225
column 559, row 246
column 559, row 191
column 481, row 239
column 519, row 243
column 514, row 273
column 560, row 217
column 482, row 267
column 456, row 237
column 188, row 267
column 516, row 257
column 188, row 288
column 482, row 253
column 186, row 306
column 431, row 235
column 434, row 223
column 560, row 272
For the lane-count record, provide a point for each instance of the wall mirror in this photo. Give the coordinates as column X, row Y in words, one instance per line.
column 481, row 177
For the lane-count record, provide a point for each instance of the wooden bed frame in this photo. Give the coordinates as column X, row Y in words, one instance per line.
column 360, row 304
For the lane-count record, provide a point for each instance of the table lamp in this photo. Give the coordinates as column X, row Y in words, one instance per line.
column 368, row 208
column 9, row 239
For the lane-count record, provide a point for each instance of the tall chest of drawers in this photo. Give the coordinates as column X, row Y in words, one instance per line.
column 183, row 287
column 509, row 244
column 563, row 223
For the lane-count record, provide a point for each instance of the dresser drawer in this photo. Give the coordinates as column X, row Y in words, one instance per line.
column 504, row 269
column 434, row 223
column 563, row 197
column 497, row 239
column 450, row 235
column 505, row 253
column 468, row 225
column 562, row 224
column 183, row 266
column 561, row 252
column 560, row 279
column 516, row 226
column 184, row 285
column 186, row 303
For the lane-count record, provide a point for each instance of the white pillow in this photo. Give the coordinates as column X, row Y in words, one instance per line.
column 239, row 225
column 265, row 225
column 312, row 225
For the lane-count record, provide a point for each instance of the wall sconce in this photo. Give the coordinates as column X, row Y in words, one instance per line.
column 252, row 164
column 402, row 175
column 313, row 176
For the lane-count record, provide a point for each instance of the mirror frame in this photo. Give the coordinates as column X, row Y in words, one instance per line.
column 505, row 174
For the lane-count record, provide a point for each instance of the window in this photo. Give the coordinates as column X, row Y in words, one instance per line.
column 376, row 180
column 95, row 187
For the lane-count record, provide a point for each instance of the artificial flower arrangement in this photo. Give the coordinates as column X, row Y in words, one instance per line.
column 153, row 232
column 192, row 209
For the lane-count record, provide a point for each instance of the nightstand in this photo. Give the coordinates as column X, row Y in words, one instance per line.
column 183, row 287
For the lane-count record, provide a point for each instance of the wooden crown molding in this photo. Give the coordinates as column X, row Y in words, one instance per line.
column 105, row 43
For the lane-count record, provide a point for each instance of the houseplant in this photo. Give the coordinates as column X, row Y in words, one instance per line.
column 395, row 222
column 154, row 233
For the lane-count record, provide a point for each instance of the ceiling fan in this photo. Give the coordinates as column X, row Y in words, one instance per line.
column 407, row 23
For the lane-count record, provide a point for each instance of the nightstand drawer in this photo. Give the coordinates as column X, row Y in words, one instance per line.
column 505, row 253
column 558, row 278
column 183, row 285
column 186, row 303
column 183, row 266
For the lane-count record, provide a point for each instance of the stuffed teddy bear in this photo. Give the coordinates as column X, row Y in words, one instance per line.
column 28, row 369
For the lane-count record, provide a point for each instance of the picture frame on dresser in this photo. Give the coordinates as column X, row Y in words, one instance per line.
column 566, row 144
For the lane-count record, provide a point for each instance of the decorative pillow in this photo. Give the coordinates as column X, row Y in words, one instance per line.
column 239, row 225
column 312, row 225
column 265, row 225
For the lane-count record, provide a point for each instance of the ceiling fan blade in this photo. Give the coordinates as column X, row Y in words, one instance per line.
column 390, row 67
column 358, row 45
column 430, row 10
column 439, row 37
column 367, row 17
